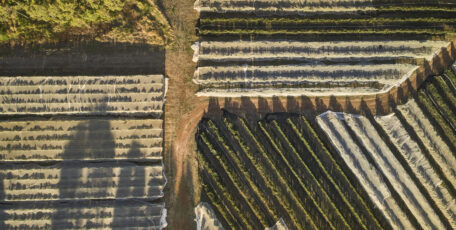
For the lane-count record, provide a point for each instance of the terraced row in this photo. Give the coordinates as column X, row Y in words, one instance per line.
column 143, row 94
column 278, row 67
column 376, row 76
column 71, row 159
column 216, row 52
column 316, row 48
column 288, row 6
column 315, row 69
column 73, row 181
column 296, row 7
column 81, row 139
column 82, row 215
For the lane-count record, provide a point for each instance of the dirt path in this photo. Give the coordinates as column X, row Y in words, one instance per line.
column 183, row 142
column 181, row 116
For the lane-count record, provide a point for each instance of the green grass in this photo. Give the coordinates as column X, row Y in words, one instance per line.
column 27, row 21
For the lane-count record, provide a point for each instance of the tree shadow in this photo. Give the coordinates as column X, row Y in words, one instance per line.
column 248, row 108
column 392, row 103
column 263, row 105
column 320, row 105
column 82, row 58
column 379, row 107
column 364, row 109
column 129, row 176
column 349, row 108
column 306, row 104
column 213, row 107
column 334, row 105
column 92, row 140
column 292, row 105
column 277, row 105
column 3, row 216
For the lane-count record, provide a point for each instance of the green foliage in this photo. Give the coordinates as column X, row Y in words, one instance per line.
column 278, row 191
column 324, row 151
column 244, row 170
column 215, row 201
column 294, row 173
column 425, row 102
column 236, row 181
column 56, row 20
column 415, row 21
column 214, row 176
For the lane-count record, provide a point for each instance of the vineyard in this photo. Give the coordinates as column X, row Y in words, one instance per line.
column 348, row 47
column 255, row 173
column 82, row 95
column 82, row 214
column 70, row 157
column 338, row 171
column 418, row 166
column 47, row 140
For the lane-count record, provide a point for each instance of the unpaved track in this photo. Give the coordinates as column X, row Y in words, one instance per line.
column 181, row 103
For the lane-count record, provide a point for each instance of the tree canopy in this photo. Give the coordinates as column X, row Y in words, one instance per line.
column 68, row 20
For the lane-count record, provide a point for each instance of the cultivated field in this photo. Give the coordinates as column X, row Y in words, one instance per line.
column 81, row 139
column 72, row 159
column 366, row 173
column 82, row 95
column 206, row 218
column 411, row 149
column 284, row 7
column 256, row 172
column 83, row 215
column 73, row 181
column 339, row 171
column 315, row 48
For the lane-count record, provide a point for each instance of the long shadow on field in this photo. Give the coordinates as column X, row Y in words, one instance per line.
column 130, row 176
column 258, row 107
column 83, row 58
column 2, row 213
column 92, row 139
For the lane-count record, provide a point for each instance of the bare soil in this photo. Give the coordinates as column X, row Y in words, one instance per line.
column 182, row 113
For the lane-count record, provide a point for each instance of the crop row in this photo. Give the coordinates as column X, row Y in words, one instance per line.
column 81, row 80
column 427, row 134
column 267, row 169
column 211, row 25
column 394, row 171
column 61, row 171
column 410, row 152
column 426, row 173
column 248, row 51
column 82, row 215
column 81, row 139
column 270, row 48
column 249, row 76
column 369, row 177
column 73, row 182
column 67, row 95
column 314, row 7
